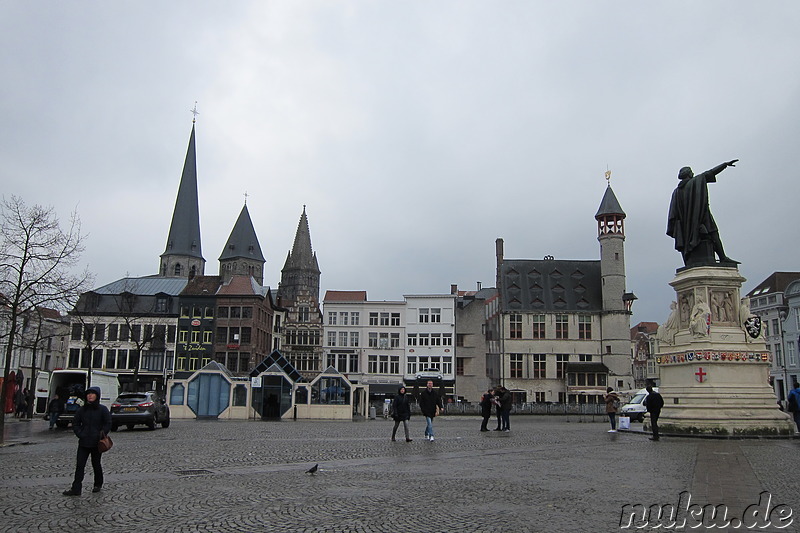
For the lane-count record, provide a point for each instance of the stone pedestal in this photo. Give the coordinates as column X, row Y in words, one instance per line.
column 714, row 376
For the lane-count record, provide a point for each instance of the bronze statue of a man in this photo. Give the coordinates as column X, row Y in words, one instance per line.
column 690, row 221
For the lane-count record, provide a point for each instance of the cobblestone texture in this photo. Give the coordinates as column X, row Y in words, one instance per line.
column 548, row 474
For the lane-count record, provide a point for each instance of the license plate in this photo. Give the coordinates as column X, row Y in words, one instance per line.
column 130, row 409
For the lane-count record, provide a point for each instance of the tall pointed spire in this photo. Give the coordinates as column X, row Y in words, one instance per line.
column 183, row 256
column 301, row 270
column 242, row 253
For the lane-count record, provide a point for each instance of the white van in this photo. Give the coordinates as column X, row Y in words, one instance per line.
column 635, row 408
column 70, row 385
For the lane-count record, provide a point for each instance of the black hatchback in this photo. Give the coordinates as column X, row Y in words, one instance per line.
column 131, row 408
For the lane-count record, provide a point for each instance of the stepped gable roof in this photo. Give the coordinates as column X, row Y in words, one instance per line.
column 184, row 231
column 302, row 255
column 242, row 241
column 345, row 296
column 609, row 205
column 551, row 285
column 241, row 285
column 644, row 327
column 202, row 286
column 145, row 286
column 776, row 282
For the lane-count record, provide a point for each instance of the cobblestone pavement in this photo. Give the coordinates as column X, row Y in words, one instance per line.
column 548, row 474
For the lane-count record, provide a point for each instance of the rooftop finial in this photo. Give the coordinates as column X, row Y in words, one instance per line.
column 194, row 112
column 608, row 176
column 245, row 197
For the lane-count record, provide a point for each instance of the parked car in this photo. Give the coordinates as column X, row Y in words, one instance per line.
column 131, row 408
column 635, row 408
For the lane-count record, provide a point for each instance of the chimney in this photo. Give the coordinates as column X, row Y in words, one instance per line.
column 479, row 285
column 453, row 288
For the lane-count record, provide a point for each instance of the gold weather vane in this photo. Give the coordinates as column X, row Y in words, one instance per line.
column 608, row 176
column 194, row 112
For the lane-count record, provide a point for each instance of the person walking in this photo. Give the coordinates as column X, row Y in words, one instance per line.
column 486, row 409
column 506, row 401
column 92, row 421
column 654, row 402
column 430, row 403
column 612, row 404
column 793, row 403
column 54, row 410
column 400, row 411
column 22, row 403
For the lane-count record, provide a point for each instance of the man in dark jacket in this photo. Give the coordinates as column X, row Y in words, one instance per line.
column 54, row 410
column 486, row 409
column 506, row 401
column 91, row 422
column 654, row 402
column 429, row 403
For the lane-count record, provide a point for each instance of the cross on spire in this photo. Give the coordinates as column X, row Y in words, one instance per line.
column 194, row 112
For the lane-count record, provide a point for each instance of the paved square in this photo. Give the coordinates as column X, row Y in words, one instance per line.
column 549, row 474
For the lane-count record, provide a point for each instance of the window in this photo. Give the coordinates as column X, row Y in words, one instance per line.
column 342, row 338
column 185, row 311
column 384, row 319
column 233, row 335
column 222, row 312
column 424, row 339
column 383, row 340
column 113, row 331
column 236, row 312
column 353, row 360
column 111, row 359
column 436, row 339
column 778, row 355
column 561, row 365
column 459, row 338
column 538, row 326
column 447, row 339
column 584, row 327
column 585, row 358
column 791, row 356
column 197, row 311
column 562, row 326
column 331, row 318
column 207, row 337
column 395, row 319
column 354, row 318
column 343, row 317
column 459, row 366
column 373, row 339
column 183, row 336
column 354, row 338
column 247, row 312
column 515, row 326
column 246, row 335
column 412, row 339
column 171, row 333
column 195, row 337
column 373, row 319
column 424, row 315
column 539, row 397
column 209, row 312
column 77, row 330
column 394, row 340
column 302, row 314
column 516, row 365
column 436, row 315
column 124, row 332
column 539, row 366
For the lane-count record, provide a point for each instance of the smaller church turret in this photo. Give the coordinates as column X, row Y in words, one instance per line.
column 611, row 234
column 242, row 253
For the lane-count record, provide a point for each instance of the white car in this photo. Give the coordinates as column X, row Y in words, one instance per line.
column 635, row 408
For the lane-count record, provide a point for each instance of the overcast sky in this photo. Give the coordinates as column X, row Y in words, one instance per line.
column 415, row 132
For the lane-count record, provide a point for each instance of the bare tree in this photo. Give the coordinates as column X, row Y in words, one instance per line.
column 37, row 263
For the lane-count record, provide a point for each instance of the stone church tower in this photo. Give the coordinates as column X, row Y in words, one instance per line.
column 298, row 293
column 183, row 256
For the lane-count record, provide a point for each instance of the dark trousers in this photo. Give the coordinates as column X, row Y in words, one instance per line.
column 505, row 417
column 613, row 418
column 80, row 467
column 499, row 420
column 485, row 422
column 654, row 422
column 796, row 416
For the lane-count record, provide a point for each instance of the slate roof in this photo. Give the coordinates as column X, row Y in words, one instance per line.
column 184, row 231
column 242, row 241
column 202, row 286
column 609, row 205
column 776, row 282
column 302, row 257
column 145, row 286
column 550, row 285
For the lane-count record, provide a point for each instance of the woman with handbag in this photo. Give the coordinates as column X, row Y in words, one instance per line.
column 92, row 422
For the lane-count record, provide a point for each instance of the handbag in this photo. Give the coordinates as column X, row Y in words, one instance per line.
column 105, row 444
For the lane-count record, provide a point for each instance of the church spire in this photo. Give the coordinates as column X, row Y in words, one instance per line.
column 301, row 270
column 183, row 256
column 242, row 253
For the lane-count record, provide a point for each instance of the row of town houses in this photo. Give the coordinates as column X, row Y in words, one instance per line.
column 550, row 330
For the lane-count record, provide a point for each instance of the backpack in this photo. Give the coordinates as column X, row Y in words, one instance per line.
column 792, row 404
column 616, row 403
